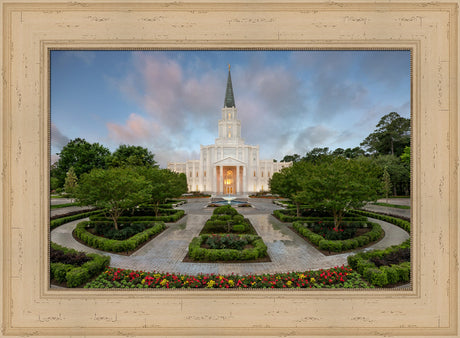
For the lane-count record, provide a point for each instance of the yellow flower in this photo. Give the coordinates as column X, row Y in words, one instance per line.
column 163, row 282
column 312, row 280
column 210, row 284
column 289, row 283
column 157, row 275
column 143, row 282
column 301, row 276
column 230, row 282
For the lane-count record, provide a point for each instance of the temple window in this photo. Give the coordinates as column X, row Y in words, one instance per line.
column 262, row 173
column 197, row 174
column 254, row 173
column 205, row 173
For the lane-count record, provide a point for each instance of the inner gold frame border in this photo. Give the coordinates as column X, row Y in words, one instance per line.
column 31, row 30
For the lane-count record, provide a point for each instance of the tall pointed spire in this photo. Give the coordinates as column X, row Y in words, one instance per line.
column 229, row 98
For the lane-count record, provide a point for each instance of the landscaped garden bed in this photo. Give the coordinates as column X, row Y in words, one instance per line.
column 226, row 219
column 338, row 277
column 70, row 268
column 311, row 215
column 60, row 220
column 227, row 237
column 329, row 240
column 227, row 248
column 87, row 233
column 384, row 268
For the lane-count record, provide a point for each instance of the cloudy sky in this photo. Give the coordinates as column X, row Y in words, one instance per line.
column 170, row 101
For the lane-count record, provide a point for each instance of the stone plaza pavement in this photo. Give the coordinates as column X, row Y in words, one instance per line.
column 288, row 251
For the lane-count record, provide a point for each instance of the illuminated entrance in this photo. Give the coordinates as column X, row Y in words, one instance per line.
column 229, row 180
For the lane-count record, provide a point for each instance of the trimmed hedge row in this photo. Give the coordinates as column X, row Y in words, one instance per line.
column 172, row 217
column 57, row 222
column 73, row 275
column 196, row 252
column 283, row 217
column 339, row 245
column 113, row 245
column 393, row 220
column 384, row 275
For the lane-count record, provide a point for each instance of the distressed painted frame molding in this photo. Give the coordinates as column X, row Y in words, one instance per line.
column 30, row 30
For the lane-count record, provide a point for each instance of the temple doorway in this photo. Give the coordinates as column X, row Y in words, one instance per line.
column 229, row 180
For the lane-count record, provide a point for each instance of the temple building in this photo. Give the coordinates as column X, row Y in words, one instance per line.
column 229, row 166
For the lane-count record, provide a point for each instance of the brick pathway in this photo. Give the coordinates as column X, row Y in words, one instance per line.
column 287, row 250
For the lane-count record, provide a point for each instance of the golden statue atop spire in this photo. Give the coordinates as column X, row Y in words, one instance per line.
column 229, row 67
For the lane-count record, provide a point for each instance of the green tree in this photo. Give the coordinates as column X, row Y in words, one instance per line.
column 316, row 155
column 82, row 156
column 405, row 156
column 399, row 173
column 287, row 183
column 128, row 155
column 71, row 181
column 386, row 180
column 164, row 184
column 115, row 190
column 339, row 184
column 291, row 158
column 391, row 136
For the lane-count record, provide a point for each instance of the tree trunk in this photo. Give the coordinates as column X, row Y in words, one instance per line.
column 115, row 224
column 298, row 208
column 156, row 208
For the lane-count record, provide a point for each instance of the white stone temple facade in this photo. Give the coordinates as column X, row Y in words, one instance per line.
column 229, row 166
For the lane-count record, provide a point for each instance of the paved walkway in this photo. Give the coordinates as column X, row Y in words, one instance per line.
column 287, row 250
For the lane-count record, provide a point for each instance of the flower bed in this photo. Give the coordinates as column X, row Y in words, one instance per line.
column 381, row 275
column 226, row 248
column 71, row 268
column 111, row 245
column 338, row 277
column 320, row 242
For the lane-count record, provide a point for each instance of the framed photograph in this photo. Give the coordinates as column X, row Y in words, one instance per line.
column 44, row 40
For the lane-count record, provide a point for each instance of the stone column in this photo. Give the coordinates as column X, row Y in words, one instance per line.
column 245, row 180
column 237, row 185
column 221, row 183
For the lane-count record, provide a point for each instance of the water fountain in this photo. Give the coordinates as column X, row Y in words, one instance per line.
column 229, row 199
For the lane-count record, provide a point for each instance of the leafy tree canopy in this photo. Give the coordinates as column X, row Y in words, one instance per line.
column 115, row 189
column 164, row 184
column 291, row 158
column 391, row 136
column 82, row 156
column 129, row 155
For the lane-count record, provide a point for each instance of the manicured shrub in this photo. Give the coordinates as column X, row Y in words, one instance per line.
column 225, row 210
column 239, row 228
column 377, row 277
column 393, row 220
column 338, row 245
column 62, row 220
column 196, row 252
column 59, row 271
column 76, row 277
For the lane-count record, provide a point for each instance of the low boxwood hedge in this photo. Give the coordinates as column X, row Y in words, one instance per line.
column 74, row 276
column 113, row 245
column 196, row 252
column 383, row 275
column 173, row 216
column 339, row 245
column 59, row 221
column 288, row 216
column 393, row 220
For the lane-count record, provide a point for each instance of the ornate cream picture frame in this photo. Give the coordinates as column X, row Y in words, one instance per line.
column 30, row 30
